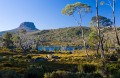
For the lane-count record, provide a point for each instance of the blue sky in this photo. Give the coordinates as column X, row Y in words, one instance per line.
column 46, row 14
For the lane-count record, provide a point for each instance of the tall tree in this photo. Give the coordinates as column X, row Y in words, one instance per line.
column 114, row 22
column 100, row 43
column 81, row 9
column 103, row 22
column 112, row 6
column 22, row 39
column 93, row 39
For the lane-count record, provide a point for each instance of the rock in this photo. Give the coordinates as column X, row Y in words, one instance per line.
column 28, row 26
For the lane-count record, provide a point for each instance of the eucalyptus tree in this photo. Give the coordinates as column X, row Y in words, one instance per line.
column 36, row 42
column 7, row 40
column 22, row 39
column 112, row 6
column 100, row 43
column 81, row 10
column 103, row 23
column 93, row 39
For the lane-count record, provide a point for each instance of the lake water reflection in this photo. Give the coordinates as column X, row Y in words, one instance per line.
column 60, row 48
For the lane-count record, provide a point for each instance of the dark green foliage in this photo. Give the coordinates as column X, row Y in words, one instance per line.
column 9, row 74
column 28, row 56
column 118, row 50
column 103, row 21
column 96, row 75
column 116, row 75
column 34, row 72
column 113, row 57
column 7, row 40
column 113, row 68
column 60, row 74
column 87, row 68
column 118, row 28
column 89, row 75
column 7, row 65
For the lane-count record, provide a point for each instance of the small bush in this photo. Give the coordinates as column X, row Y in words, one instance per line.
column 10, row 74
column 113, row 68
column 60, row 74
column 96, row 75
column 116, row 75
column 34, row 72
column 89, row 75
column 7, row 65
column 87, row 68
column 28, row 56
column 113, row 58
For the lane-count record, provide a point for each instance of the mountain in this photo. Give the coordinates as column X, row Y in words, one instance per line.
column 28, row 26
column 62, row 36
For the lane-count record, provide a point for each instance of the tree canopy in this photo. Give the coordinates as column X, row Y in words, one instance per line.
column 70, row 9
column 103, row 21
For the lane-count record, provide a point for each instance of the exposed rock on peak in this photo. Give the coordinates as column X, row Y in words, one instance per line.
column 29, row 26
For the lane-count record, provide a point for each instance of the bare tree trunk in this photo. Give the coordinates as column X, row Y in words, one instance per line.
column 85, row 45
column 99, row 34
column 97, row 52
column 114, row 23
column 102, row 48
column 20, row 43
column 84, row 41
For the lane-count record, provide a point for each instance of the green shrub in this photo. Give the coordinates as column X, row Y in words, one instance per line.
column 87, row 68
column 34, row 72
column 7, row 65
column 96, row 75
column 60, row 74
column 89, row 75
column 117, row 50
column 113, row 68
column 28, row 56
column 113, row 57
column 10, row 74
column 20, row 56
column 116, row 75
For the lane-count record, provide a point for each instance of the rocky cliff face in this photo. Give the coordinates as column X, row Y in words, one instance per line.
column 29, row 26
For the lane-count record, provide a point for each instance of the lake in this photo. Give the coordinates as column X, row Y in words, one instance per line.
column 60, row 48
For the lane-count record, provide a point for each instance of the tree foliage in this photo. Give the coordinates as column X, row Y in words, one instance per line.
column 7, row 40
column 70, row 9
column 103, row 21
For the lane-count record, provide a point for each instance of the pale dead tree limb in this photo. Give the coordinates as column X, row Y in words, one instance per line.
column 112, row 5
column 83, row 39
column 100, row 43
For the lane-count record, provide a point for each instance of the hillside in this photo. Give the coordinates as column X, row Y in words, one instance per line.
column 61, row 36
column 71, row 36
column 64, row 36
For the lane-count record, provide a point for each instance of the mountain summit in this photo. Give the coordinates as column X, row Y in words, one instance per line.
column 28, row 26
